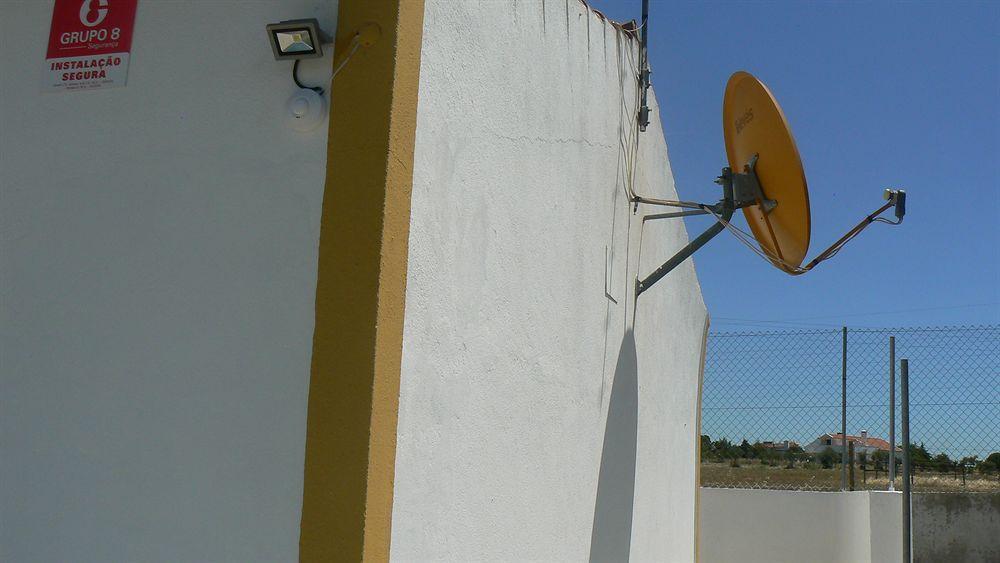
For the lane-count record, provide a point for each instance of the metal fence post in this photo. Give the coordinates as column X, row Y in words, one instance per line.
column 904, row 411
column 892, row 413
column 843, row 410
column 850, row 456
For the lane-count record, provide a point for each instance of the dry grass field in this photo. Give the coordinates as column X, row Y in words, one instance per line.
column 758, row 476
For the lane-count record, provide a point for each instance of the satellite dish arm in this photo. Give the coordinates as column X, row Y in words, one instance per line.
column 897, row 199
column 741, row 190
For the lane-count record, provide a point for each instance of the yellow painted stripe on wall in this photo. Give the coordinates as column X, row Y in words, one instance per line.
column 361, row 287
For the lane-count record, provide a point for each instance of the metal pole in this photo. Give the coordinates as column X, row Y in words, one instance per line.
column 892, row 412
column 643, row 117
column 904, row 410
column 851, row 457
column 843, row 411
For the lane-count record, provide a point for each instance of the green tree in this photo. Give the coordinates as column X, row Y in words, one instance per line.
column 706, row 447
column 792, row 454
column 765, row 454
column 828, row 458
column 724, row 449
column 969, row 461
column 942, row 462
column 919, row 454
column 991, row 463
column 881, row 458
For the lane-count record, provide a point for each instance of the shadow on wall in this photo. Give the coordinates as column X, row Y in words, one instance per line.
column 611, row 537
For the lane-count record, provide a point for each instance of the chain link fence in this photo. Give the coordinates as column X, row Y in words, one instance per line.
column 772, row 409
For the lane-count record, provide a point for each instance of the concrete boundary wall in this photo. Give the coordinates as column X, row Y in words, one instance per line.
column 956, row 527
column 760, row 525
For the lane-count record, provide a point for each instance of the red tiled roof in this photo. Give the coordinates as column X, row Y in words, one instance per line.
column 869, row 442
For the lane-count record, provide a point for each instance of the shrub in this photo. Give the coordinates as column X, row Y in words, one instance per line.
column 991, row 463
column 828, row 458
column 942, row 462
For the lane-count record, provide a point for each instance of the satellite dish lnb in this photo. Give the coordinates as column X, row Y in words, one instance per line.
column 764, row 179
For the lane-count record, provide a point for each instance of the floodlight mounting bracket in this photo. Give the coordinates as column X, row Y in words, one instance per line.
column 739, row 190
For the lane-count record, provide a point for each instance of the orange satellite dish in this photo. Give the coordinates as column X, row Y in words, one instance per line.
column 765, row 179
column 754, row 125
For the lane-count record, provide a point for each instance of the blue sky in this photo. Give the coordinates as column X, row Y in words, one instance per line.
column 878, row 95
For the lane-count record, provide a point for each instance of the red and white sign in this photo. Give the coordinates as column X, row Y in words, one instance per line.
column 89, row 44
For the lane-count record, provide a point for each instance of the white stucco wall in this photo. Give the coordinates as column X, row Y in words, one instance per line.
column 520, row 337
column 794, row 526
column 157, row 277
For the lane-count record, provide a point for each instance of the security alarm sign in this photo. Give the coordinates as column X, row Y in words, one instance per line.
column 89, row 44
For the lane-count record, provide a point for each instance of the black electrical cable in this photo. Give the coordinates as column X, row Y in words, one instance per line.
column 888, row 222
column 295, row 77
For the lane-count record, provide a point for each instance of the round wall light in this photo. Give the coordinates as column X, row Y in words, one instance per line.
column 306, row 109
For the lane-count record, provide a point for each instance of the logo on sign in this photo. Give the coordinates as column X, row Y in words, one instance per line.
column 86, row 9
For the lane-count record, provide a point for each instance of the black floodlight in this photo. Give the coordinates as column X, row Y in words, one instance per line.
column 296, row 39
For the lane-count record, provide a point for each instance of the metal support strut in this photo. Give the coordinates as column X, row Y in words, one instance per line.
column 724, row 208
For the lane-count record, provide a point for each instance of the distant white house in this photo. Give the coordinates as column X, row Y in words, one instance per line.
column 863, row 443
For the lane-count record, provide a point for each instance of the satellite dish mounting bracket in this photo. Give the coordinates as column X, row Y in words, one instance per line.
column 747, row 190
column 724, row 209
column 739, row 190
